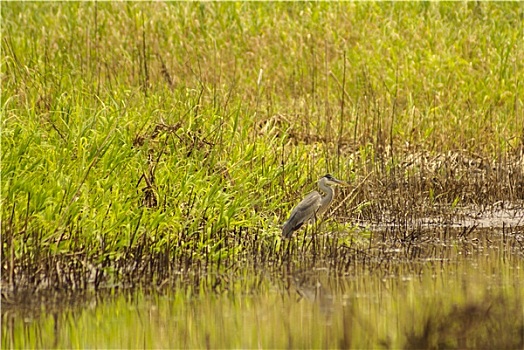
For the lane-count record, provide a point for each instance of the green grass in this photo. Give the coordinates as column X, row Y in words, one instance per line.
column 182, row 131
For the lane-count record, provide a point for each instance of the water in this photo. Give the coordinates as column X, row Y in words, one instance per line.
column 435, row 288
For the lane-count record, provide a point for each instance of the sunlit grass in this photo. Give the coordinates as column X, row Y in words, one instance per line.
column 142, row 139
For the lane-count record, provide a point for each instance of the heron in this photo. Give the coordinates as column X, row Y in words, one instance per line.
column 312, row 206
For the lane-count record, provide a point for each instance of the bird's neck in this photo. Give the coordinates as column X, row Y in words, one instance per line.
column 326, row 200
column 328, row 191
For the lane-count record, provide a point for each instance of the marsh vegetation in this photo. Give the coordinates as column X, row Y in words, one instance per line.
column 150, row 154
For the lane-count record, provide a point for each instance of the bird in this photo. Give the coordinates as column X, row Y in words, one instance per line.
column 312, row 206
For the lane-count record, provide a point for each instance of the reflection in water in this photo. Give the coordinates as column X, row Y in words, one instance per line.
column 309, row 287
column 427, row 289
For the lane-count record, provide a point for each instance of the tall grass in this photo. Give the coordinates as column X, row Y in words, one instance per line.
column 174, row 131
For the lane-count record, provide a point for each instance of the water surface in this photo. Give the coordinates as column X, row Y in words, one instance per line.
column 435, row 288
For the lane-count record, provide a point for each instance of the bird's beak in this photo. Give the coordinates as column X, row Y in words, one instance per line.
column 341, row 183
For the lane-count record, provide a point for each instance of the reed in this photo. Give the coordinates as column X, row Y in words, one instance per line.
column 147, row 143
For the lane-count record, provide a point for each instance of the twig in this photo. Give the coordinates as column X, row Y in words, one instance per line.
column 350, row 194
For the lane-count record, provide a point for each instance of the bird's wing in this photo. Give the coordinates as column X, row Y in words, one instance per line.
column 304, row 211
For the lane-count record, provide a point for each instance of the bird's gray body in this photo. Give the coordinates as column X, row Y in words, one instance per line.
column 312, row 206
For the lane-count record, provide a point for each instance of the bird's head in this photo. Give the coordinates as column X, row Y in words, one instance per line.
column 329, row 180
